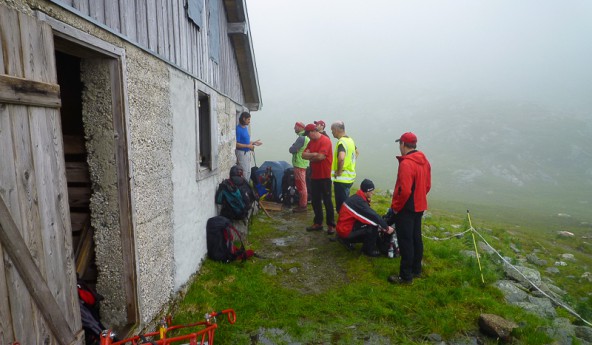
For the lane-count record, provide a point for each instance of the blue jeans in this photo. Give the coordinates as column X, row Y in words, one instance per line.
column 341, row 193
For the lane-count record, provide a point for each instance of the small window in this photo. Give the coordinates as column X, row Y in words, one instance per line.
column 205, row 132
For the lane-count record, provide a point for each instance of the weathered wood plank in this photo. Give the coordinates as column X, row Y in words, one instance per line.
column 97, row 10
column 10, row 42
column 84, row 249
column 112, row 16
column 8, row 192
column 82, row 6
column 78, row 220
column 183, row 33
column 54, row 212
column 161, row 20
column 79, row 196
column 17, row 90
column 127, row 13
column 141, row 23
column 176, row 34
column 77, row 172
column 17, row 250
column 151, row 16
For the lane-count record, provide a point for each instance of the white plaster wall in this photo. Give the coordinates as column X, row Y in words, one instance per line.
column 193, row 201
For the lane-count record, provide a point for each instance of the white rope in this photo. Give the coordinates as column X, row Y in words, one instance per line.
column 531, row 283
column 512, row 266
column 445, row 238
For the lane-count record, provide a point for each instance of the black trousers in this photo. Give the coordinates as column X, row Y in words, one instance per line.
column 367, row 234
column 408, row 225
column 321, row 195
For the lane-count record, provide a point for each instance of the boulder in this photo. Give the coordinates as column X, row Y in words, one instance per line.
column 552, row 270
column 496, row 326
column 533, row 259
column 512, row 292
column 523, row 275
column 568, row 257
column 584, row 332
column 485, row 248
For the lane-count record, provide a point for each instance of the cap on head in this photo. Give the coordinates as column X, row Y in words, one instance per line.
column 367, row 186
column 320, row 122
column 408, row 137
column 310, row 128
column 299, row 124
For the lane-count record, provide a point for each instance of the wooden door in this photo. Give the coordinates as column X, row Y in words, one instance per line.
column 38, row 296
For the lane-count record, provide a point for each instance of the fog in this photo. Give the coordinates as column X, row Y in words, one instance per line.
column 499, row 93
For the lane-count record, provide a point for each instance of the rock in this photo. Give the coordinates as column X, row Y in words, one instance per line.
column 496, row 326
column 514, row 248
column 544, row 305
column 533, row 259
column 455, row 226
column 523, row 275
column 562, row 331
column 568, row 257
column 294, row 270
column 469, row 253
column 552, row 270
column 587, row 276
column 484, row 247
column 434, row 337
column 512, row 292
column 536, row 309
column 565, row 234
column 270, row 269
column 584, row 332
column 560, row 263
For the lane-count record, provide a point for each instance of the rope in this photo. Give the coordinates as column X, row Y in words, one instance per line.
column 474, row 231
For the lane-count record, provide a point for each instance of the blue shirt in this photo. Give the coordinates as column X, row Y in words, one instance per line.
column 243, row 137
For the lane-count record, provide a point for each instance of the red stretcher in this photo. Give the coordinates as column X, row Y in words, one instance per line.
column 205, row 334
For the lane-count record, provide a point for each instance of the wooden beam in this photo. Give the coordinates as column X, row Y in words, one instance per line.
column 237, row 28
column 16, row 248
column 16, row 90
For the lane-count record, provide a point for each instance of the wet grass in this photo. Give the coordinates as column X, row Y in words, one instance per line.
column 323, row 294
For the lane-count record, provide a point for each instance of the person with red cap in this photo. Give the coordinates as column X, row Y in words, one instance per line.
column 321, row 127
column 320, row 154
column 409, row 201
column 300, row 165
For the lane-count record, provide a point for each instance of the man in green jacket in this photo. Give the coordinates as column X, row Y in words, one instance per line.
column 300, row 165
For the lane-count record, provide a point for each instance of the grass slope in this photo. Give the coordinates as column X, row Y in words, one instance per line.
column 324, row 294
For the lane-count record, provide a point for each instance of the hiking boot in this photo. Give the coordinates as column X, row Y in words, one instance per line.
column 347, row 244
column 372, row 253
column 395, row 279
column 330, row 229
column 315, row 227
column 300, row 209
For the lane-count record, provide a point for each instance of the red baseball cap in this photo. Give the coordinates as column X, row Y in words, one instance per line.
column 320, row 122
column 310, row 128
column 408, row 137
column 299, row 124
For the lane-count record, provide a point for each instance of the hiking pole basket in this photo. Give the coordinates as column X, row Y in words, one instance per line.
column 203, row 336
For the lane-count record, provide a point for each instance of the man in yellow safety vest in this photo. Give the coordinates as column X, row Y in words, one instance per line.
column 343, row 170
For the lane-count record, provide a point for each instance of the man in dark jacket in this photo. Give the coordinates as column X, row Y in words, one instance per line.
column 408, row 204
column 359, row 223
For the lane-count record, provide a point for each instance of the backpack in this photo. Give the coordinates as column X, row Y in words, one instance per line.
column 220, row 237
column 89, row 300
column 290, row 195
column 235, row 195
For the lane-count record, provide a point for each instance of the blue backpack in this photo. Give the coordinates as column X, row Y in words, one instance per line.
column 235, row 195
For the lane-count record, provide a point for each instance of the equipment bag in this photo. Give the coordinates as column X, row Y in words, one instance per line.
column 236, row 197
column 221, row 236
column 290, row 195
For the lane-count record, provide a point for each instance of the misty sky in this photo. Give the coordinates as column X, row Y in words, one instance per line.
column 379, row 64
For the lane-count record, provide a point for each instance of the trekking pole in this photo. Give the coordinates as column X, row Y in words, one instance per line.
column 475, row 244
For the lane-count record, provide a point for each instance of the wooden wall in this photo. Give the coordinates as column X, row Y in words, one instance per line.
column 163, row 28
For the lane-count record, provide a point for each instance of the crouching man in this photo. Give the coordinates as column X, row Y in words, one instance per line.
column 359, row 223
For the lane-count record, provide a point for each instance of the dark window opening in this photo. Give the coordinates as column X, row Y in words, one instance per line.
column 205, row 131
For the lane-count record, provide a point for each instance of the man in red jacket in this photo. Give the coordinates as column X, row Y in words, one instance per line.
column 408, row 204
column 359, row 223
